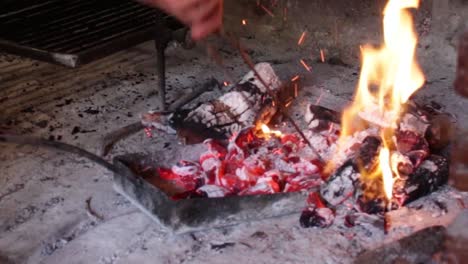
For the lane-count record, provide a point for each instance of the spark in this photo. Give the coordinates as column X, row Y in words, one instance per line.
column 295, row 78
column 149, row 132
column 285, row 14
column 295, row 90
column 226, row 83
column 322, row 55
column 267, row 10
column 301, row 39
column 244, row 22
column 307, row 67
column 320, row 96
column 330, row 130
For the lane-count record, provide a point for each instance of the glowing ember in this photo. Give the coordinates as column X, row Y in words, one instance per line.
column 268, row 132
column 302, row 38
column 322, row 55
column 389, row 76
column 295, row 78
column 244, row 22
column 307, row 67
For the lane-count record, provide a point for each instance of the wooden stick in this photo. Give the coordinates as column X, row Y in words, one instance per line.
column 236, row 44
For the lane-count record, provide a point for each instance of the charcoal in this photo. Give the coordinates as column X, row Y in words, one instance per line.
column 416, row 121
column 371, row 206
column 320, row 118
column 427, row 178
column 440, row 132
column 407, row 141
column 341, row 185
column 316, row 217
column 367, row 156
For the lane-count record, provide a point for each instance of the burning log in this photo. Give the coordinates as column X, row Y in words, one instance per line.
column 247, row 104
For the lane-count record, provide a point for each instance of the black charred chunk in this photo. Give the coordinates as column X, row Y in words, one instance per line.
column 341, row 184
column 371, row 206
column 324, row 117
column 368, row 153
column 427, row 178
column 317, row 217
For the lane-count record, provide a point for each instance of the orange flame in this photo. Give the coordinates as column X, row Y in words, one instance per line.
column 267, row 132
column 389, row 76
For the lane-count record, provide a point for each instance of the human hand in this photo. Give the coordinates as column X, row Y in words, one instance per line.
column 202, row 16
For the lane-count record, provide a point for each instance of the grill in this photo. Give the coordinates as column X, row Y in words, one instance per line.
column 75, row 32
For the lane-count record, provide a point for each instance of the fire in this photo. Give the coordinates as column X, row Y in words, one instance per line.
column 389, row 76
column 267, row 132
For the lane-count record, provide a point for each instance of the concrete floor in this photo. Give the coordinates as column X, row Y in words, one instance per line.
column 43, row 216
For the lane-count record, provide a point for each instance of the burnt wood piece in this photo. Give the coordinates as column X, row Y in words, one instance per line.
column 347, row 183
column 319, row 118
column 244, row 105
column 110, row 139
column 461, row 81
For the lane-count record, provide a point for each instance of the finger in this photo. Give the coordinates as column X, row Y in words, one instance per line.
column 203, row 11
column 202, row 30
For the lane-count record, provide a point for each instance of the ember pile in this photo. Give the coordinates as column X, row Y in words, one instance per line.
column 251, row 164
column 381, row 153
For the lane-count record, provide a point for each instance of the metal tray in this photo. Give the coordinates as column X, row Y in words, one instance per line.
column 181, row 216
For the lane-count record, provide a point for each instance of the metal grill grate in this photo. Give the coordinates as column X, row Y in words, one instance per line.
column 73, row 32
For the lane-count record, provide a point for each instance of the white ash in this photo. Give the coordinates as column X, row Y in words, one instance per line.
column 213, row 191
column 340, row 187
column 398, row 158
column 267, row 74
column 350, row 144
column 409, row 122
column 374, row 115
column 157, row 121
column 233, row 111
column 319, row 142
column 238, row 109
column 458, row 229
column 429, row 165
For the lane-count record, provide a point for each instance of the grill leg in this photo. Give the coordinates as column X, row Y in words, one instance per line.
column 161, row 70
column 162, row 37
